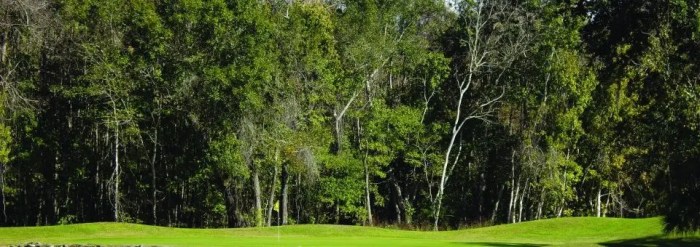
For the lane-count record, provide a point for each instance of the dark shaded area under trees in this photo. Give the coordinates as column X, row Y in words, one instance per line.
column 210, row 113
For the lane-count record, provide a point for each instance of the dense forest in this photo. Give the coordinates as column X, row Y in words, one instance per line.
column 425, row 114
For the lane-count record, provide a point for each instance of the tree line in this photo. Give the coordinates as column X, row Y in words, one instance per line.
column 419, row 113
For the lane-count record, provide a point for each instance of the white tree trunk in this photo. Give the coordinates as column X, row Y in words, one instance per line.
column 481, row 46
column 494, row 213
column 512, row 188
column 526, row 189
column 284, row 191
column 271, row 200
column 368, row 203
column 607, row 202
column 3, row 47
column 597, row 204
column 458, row 122
column 559, row 212
column 258, row 201
column 515, row 200
column 116, row 174
column 540, row 205
column 154, row 195
column 444, row 175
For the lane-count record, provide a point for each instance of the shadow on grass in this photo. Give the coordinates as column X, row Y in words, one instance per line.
column 654, row 241
column 498, row 244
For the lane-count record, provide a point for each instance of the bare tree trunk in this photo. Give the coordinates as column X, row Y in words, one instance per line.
column 368, row 203
column 116, row 173
column 512, row 187
column 284, row 191
column 560, row 211
column 3, row 47
column 428, row 177
column 298, row 205
column 401, row 202
column 515, row 200
column 526, row 189
column 622, row 206
column 443, row 180
column 510, row 203
column 181, row 205
column 486, row 40
column 563, row 200
column 494, row 213
column 271, row 201
column 398, row 213
column 96, row 205
column 154, row 195
column 441, row 188
column 230, row 198
column 258, row 201
column 605, row 209
column 597, row 204
column 338, row 134
column 480, row 47
column 482, row 189
column 54, row 191
column 339, row 123
column 540, row 204
column 426, row 100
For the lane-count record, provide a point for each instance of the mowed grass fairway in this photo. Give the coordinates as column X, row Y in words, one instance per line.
column 564, row 231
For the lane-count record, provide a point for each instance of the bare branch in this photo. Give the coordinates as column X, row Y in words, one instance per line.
column 490, row 50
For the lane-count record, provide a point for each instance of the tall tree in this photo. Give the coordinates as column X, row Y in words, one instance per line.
column 492, row 35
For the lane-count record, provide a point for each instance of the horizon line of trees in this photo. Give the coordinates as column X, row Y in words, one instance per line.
column 209, row 113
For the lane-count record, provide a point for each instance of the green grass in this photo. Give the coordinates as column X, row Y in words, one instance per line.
column 564, row 231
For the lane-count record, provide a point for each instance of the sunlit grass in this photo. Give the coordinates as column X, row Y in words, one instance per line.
column 564, row 231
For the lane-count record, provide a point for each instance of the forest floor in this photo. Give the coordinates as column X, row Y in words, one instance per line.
column 563, row 231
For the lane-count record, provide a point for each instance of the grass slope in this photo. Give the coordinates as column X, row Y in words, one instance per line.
column 564, row 231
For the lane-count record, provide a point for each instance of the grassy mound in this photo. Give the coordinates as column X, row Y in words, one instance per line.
column 564, row 231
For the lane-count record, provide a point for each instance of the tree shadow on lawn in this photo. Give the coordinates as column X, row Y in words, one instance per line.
column 499, row 244
column 654, row 241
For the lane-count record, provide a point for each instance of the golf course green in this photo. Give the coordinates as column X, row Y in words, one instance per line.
column 562, row 231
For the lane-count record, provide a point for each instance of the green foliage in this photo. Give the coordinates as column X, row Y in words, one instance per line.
column 226, row 157
column 342, row 185
column 5, row 142
column 347, row 107
column 5, row 135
